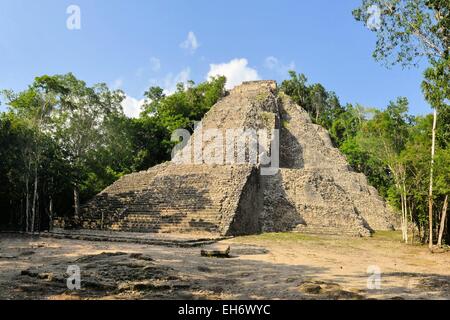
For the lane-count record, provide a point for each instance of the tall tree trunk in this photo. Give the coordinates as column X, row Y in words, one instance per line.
column 38, row 214
column 406, row 219
column 317, row 114
column 403, row 216
column 35, row 198
column 413, row 225
column 430, row 193
column 76, row 201
column 400, row 189
column 27, row 205
column 405, row 199
column 50, row 214
column 443, row 221
column 20, row 214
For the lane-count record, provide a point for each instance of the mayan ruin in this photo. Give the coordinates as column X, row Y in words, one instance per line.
column 313, row 191
column 224, row 160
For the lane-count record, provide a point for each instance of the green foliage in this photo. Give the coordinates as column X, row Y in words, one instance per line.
column 323, row 106
column 363, row 161
column 61, row 134
column 19, row 145
column 268, row 120
column 348, row 122
column 68, row 133
column 162, row 114
column 151, row 143
column 408, row 29
column 187, row 105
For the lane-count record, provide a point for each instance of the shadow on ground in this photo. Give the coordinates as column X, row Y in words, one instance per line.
column 36, row 269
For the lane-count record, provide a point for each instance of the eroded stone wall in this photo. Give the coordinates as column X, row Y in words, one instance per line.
column 316, row 153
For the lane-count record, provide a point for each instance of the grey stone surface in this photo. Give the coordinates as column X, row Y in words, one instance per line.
column 315, row 189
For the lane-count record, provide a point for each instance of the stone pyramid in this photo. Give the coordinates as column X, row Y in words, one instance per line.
column 214, row 187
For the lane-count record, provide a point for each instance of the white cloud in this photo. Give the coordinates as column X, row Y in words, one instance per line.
column 155, row 64
column 236, row 71
column 117, row 84
column 170, row 81
column 278, row 66
column 132, row 107
column 190, row 44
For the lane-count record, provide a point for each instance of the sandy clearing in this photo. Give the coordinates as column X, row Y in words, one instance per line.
column 269, row 266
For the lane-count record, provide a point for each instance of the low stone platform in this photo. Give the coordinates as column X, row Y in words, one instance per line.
column 158, row 239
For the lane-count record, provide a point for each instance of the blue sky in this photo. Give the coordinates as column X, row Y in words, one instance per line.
column 134, row 44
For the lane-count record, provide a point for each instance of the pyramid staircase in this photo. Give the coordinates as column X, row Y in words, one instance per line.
column 172, row 199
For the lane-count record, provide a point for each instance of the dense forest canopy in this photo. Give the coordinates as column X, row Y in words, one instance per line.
column 61, row 142
column 408, row 31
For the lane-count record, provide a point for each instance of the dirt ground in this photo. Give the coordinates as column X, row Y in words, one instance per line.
column 268, row 266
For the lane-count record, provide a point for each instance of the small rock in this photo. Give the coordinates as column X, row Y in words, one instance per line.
column 203, row 269
column 149, row 286
column 216, row 253
column 27, row 253
column 4, row 256
column 150, row 267
column 217, row 290
column 242, row 250
column 45, row 276
column 310, row 288
column 125, row 286
column 135, row 255
column 437, row 249
column 29, row 273
column 140, row 256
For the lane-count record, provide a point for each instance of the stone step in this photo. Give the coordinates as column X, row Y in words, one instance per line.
column 167, row 227
column 143, row 216
column 186, row 212
column 177, row 224
column 212, row 217
column 170, row 204
column 168, row 220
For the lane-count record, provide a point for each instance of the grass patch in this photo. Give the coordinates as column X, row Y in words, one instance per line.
column 347, row 242
column 279, row 237
column 285, row 124
column 268, row 119
column 388, row 235
column 262, row 97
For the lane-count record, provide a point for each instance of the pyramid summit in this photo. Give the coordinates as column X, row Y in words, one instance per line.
column 256, row 163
